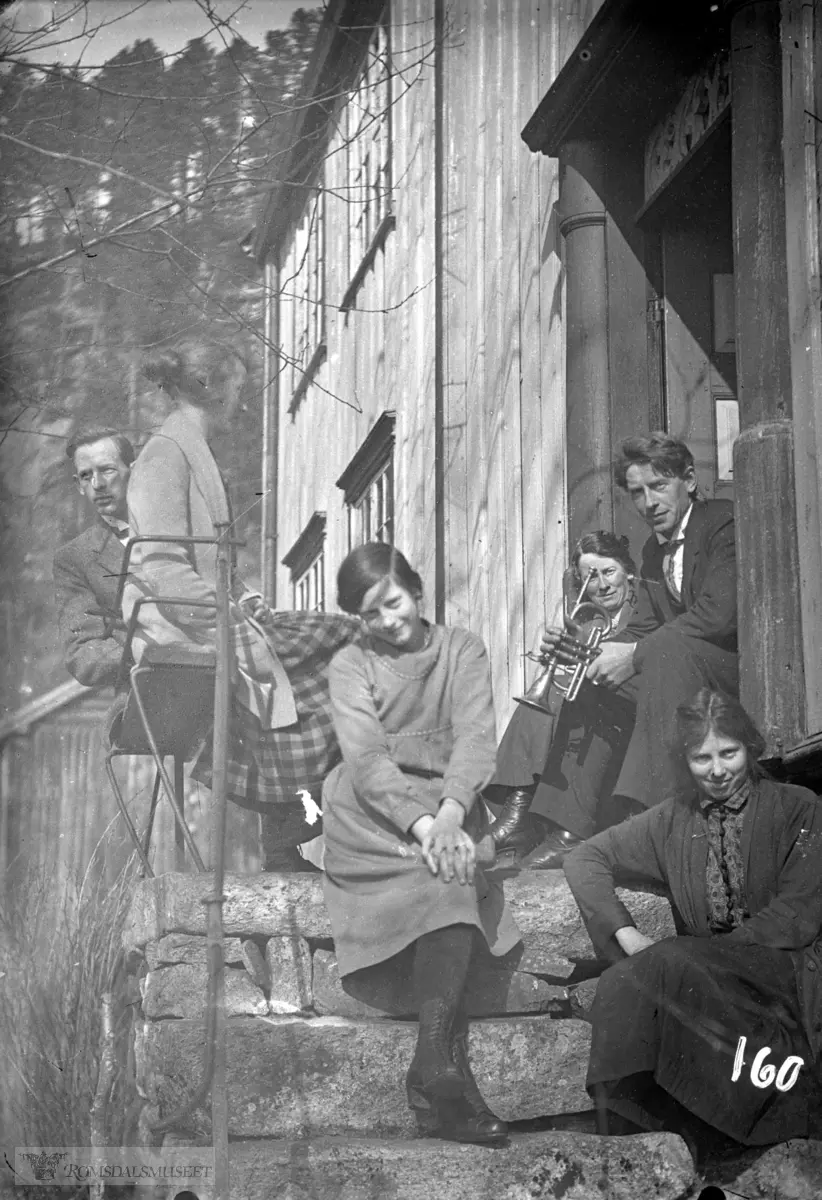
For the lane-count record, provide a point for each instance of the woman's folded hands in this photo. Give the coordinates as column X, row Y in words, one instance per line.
column 447, row 849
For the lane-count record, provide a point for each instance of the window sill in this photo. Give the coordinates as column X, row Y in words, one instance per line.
column 314, row 363
column 377, row 242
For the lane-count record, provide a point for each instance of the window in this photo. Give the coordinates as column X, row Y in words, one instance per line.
column 367, row 130
column 306, row 562
column 368, row 486
column 30, row 226
column 303, row 291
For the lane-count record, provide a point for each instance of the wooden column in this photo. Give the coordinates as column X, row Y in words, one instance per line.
column 772, row 683
column 588, row 393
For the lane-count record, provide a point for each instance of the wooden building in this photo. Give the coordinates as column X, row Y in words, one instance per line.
column 510, row 234
column 688, row 138
column 415, row 295
column 59, row 820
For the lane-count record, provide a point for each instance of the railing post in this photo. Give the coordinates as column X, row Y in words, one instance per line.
column 214, row 944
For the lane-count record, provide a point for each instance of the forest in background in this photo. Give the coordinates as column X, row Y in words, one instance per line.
column 129, row 197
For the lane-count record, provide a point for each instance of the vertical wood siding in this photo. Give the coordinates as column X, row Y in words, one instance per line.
column 60, row 819
column 502, row 368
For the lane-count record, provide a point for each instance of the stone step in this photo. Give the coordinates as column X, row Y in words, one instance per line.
column 495, row 987
column 290, row 979
column 296, row 1076
column 270, row 905
column 536, row 1166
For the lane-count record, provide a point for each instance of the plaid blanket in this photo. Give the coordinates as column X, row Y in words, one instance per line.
column 268, row 767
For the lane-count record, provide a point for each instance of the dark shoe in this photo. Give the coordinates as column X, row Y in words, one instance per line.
column 457, row 1120
column 433, row 1070
column 516, row 830
column 461, row 1122
column 288, row 861
column 550, row 854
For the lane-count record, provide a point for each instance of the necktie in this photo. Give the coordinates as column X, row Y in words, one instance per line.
column 668, row 567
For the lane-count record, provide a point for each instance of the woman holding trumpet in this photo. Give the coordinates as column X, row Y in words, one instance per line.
column 602, row 573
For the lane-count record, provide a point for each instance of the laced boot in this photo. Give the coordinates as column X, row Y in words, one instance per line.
column 469, row 1119
column 424, row 1107
column 517, row 831
column 433, row 1068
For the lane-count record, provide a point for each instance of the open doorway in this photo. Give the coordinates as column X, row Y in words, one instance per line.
column 689, row 238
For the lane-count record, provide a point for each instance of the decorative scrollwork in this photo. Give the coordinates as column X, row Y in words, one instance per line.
column 678, row 134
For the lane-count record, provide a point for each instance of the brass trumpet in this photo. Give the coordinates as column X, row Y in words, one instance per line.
column 564, row 669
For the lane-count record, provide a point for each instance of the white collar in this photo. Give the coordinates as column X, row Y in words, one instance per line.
column 118, row 527
column 679, row 532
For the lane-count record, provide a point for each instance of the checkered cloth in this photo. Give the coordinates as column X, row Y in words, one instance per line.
column 268, row 767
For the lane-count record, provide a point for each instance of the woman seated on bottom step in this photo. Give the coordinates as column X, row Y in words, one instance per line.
column 740, row 856
column 412, row 710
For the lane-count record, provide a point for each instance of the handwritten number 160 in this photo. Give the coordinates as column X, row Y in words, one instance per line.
column 762, row 1076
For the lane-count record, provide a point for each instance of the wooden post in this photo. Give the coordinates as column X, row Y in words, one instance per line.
column 801, row 82
column 105, row 1081
column 587, row 385
column 770, row 630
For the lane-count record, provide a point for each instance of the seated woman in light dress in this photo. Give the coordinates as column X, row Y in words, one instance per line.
column 719, row 1029
column 413, row 714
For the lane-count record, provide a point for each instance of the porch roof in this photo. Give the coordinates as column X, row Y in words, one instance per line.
column 630, row 65
column 44, row 706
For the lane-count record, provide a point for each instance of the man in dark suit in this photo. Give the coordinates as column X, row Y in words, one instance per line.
column 609, row 756
column 87, row 569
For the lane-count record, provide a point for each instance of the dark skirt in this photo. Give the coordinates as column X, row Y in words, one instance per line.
column 677, row 1010
column 523, row 748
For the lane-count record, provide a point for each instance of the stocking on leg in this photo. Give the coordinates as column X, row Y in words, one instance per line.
column 441, row 960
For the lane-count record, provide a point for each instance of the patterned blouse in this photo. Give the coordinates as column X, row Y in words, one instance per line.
column 725, row 875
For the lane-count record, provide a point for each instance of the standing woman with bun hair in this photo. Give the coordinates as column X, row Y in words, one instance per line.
column 282, row 741
column 414, row 716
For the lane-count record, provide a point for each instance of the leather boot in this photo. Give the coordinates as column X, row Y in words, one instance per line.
column 550, row 854
column 516, row 830
column 432, row 1067
column 469, row 1119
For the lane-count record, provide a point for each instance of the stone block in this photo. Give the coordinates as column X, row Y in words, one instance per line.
column 288, row 962
column 291, row 1076
column 791, row 1171
column 492, row 991
column 536, row 1166
column 546, row 914
column 180, row 991
column 254, row 962
column 266, row 904
column 185, row 948
column 292, row 905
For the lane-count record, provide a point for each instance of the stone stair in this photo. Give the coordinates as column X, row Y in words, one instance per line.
column 316, row 1095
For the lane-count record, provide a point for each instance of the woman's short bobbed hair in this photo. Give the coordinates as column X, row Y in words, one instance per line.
column 606, row 545
column 367, row 566
column 713, row 711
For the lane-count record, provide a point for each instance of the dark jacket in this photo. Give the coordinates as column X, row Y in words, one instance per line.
column 668, row 846
column 86, row 573
column 708, row 609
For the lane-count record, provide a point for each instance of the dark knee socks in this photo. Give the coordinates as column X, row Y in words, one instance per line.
column 441, row 962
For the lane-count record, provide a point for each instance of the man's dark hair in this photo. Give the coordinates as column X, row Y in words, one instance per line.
column 667, row 456
column 88, row 436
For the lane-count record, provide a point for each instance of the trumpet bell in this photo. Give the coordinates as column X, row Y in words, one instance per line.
column 542, row 694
